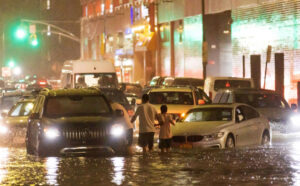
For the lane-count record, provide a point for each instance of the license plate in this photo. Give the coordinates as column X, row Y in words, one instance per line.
column 186, row 146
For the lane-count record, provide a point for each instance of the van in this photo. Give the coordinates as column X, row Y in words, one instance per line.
column 213, row 84
column 88, row 73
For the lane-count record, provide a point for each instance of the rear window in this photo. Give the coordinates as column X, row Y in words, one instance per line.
column 193, row 82
column 221, row 84
column 176, row 98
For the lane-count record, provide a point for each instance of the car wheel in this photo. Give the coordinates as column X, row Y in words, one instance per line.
column 29, row 145
column 265, row 138
column 230, row 142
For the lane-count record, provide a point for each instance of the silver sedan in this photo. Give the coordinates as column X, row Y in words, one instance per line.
column 222, row 126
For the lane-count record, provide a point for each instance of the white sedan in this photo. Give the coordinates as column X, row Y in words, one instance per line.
column 222, row 126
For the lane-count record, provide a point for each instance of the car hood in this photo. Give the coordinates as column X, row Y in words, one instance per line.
column 199, row 128
column 20, row 121
column 275, row 113
column 78, row 121
column 176, row 109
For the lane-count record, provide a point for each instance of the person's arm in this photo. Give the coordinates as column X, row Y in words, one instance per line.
column 171, row 120
column 135, row 115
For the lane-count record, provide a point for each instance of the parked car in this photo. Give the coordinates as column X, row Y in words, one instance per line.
column 157, row 81
column 221, row 126
column 184, row 81
column 117, row 95
column 37, row 85
column 178, row 99
column 14, row 123
column 213, row 84
column 267, row 102
column 132, row 88
column 74, row 121
column 8, row 99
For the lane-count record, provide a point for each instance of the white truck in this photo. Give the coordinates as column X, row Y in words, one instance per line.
column 88, row 73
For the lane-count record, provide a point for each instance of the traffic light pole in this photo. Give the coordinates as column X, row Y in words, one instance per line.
column 62, row 32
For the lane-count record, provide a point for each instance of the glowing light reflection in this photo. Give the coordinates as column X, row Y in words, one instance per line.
column 295, row 154
column 52, row 169
column 3, row 161
column 118, row 164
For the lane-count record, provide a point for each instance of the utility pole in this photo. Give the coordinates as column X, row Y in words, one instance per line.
column 204, row 43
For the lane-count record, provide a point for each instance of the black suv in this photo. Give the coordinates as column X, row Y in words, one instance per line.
column 74, row 121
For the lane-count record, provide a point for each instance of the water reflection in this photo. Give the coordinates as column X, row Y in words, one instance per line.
column 52, row 170
column 3, row 161
column 118, row 167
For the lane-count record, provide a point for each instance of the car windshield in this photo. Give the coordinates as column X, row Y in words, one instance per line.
column 209, row 114
column 8, row 102
column 65, row 106
column 221, row 84
column 105, row 80
column 21, row 109
column 260, row 100
column 176, row 98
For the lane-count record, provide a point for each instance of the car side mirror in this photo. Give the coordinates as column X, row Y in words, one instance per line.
column 133, row 101
column 34, row 116
column 119, row 113
column 3, row 114
column 294, row 106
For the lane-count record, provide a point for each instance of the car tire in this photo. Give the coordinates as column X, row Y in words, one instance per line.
column 230, row 144
column 265, row 140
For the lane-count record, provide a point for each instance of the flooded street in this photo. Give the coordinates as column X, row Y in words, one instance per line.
column 278, row 164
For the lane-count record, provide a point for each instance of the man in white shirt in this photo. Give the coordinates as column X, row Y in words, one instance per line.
column 129, row 134
column 147, row 115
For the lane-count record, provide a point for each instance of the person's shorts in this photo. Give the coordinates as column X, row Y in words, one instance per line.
column 129, row 136
column 146, row 139
column 165, row 143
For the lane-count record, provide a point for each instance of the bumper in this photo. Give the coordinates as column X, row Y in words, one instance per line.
column 219, row 144
column 88, row 150
column 107, row 146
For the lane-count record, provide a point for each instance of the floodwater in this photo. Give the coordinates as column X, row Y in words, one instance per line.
column 278, row 164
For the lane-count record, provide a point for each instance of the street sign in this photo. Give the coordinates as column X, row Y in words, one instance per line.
column 6, row 72
column 32, row 29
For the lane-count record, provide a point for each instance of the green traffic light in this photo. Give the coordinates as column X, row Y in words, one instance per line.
column 11, row 63
column 34, row 42
column 21, row 33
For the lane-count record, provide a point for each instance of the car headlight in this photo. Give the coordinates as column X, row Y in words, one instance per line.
column 214, row 136
column 3, row 129
column 295, row 120
column 51, row 133
column 117, row 130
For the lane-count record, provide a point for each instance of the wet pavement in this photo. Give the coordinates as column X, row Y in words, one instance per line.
column 278, row 164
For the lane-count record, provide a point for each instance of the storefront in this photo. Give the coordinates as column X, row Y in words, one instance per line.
column 274, row 23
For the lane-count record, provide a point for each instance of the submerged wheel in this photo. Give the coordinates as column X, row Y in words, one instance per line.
column 265, row 138
column 230, row 142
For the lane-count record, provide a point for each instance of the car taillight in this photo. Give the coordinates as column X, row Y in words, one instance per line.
column 130, row 112
column 42, row 82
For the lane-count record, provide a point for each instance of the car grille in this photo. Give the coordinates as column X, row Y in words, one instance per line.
column 84, row 135
column 179, row 139
column 195, row 138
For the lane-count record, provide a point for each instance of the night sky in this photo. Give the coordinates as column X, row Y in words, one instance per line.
column 63, row 13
